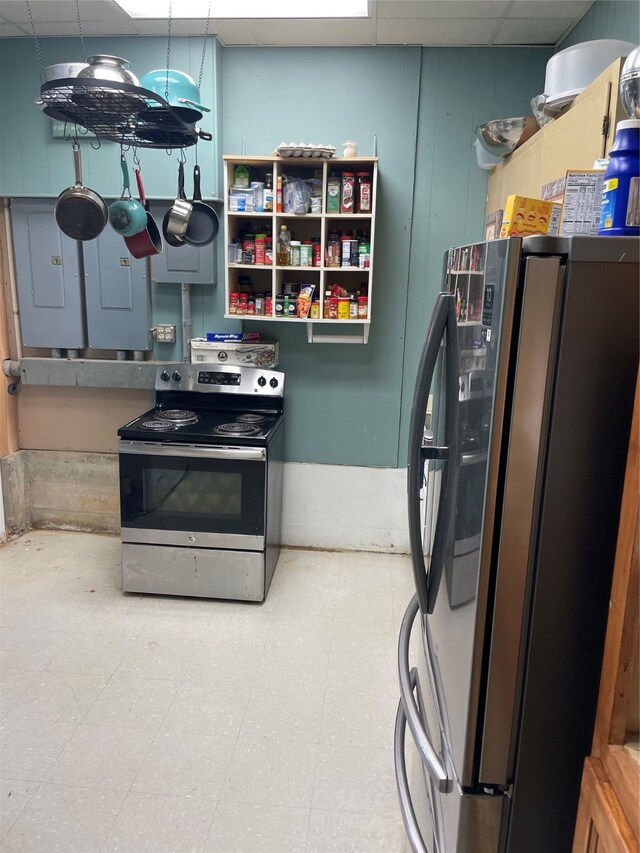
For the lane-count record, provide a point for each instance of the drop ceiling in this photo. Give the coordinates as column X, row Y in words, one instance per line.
column 433, row 23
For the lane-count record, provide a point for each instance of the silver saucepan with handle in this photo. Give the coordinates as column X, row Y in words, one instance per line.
column 176, row 219
column 80, row 212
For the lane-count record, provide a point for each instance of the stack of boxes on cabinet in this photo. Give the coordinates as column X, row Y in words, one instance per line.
column 300, row 238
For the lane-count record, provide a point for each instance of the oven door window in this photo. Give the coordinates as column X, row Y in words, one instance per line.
column 205, row 495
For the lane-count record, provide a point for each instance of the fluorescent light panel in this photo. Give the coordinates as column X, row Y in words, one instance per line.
column 197, row 9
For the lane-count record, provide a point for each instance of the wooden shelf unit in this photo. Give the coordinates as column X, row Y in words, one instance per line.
column 270, row 279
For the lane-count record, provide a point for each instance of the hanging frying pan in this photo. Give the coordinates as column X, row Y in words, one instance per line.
column 80, row 212
column 176, row 218
column 202, row 227
column 148, row 241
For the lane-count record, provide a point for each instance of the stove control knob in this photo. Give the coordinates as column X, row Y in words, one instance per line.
column 262, row 381
column 164, row 376
column 273, row 382
column 177, row 376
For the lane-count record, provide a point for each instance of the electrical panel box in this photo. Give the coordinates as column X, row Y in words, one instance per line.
column 48, row 279
column 118, row 295
column 183, row 264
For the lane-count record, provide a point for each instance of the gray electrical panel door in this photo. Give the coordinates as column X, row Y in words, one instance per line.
column 184, row 264
column 49, row 286
column 117, row 295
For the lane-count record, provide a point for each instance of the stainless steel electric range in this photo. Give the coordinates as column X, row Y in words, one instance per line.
column 201, row 484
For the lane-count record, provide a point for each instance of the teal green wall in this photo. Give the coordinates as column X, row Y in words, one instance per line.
column 607, row 19
column 346, row 404
column 349, row 404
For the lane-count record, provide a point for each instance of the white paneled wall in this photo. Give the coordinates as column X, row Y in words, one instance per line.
column 345, row 507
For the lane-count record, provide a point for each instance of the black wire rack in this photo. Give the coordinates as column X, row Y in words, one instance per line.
column 118, row 112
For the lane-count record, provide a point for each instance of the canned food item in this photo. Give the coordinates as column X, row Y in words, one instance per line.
column 306, row 254
column 294, row 253
column 314, row 311
column 243, row 299
column 349, row 253
column 343, row 308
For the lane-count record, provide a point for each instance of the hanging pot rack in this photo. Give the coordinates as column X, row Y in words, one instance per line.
column 118, row 112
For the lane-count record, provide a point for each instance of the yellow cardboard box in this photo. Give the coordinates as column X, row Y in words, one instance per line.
column 523, row 216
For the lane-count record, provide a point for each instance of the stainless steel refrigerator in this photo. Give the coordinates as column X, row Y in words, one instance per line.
column 517, row 449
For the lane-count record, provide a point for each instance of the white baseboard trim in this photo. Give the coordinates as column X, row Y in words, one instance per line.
column 344, row 507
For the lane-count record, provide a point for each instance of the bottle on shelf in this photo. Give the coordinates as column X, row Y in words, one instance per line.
column 267, row 193
column 363, row 198
column 284, row 242
column 347, row 192
column 241, row 177
column 279, row 195
column 333, row 193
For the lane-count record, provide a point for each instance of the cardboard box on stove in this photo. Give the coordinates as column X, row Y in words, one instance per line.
column 243, row 353
column 524, row 216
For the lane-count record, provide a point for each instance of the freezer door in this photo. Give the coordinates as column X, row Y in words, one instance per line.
column 537, row 344
column 439, row 816
column 465, row 371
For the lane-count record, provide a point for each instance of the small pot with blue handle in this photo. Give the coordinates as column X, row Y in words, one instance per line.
column 126, row 215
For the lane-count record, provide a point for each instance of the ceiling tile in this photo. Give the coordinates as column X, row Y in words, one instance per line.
column 531, row 31
column 317, row 32
column 463, row 31
column 573, row 9
column 43, row 11
column 416, row 9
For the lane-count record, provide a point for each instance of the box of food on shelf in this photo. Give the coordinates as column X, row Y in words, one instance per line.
column 524, row 216
column 257, row 353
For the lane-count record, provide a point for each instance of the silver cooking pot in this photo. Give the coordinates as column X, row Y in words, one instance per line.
column 63, row 70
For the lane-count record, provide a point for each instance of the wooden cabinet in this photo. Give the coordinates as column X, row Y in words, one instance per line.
column 608, row 818
column 574, row 140
column 272, row 280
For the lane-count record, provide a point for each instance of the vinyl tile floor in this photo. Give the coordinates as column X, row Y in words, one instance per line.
column 144, row 723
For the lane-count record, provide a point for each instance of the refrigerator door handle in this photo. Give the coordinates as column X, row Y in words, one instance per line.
column 443, row 326
column 429, row 755
column 402, row 783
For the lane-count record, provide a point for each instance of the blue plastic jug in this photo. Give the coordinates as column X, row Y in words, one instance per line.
column 620, row 214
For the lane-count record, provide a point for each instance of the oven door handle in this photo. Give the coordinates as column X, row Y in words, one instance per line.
column 150, row 448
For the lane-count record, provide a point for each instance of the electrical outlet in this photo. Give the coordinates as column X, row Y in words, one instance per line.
column 166, row 333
